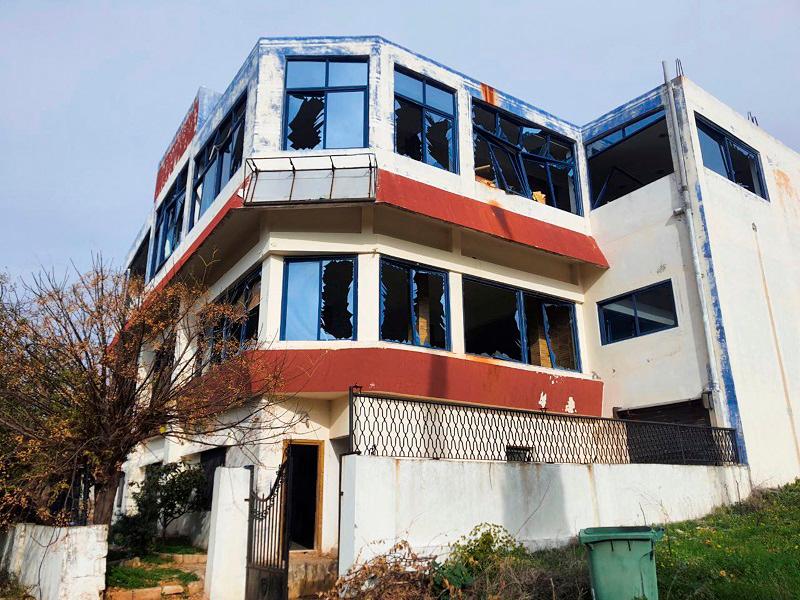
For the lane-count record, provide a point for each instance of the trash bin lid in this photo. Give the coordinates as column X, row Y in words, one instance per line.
column 592, row 535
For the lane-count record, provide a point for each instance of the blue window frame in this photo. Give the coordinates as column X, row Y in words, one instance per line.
column 413, row 304
column 628, row 158
column 218, row 160
column 229, row 335
column 638, row 313
column 319, row 299
column 524, row 159
column 424, row 120
column 730, row 157
column 326, row 103
column 518, row 325
column 169, row 222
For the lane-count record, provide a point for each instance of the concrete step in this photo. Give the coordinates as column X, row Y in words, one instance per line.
column 311, row 573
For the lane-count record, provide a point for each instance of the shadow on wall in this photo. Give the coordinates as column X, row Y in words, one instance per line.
column 194, row 525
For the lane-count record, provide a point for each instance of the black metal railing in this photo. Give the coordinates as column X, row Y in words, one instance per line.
column 388, row 426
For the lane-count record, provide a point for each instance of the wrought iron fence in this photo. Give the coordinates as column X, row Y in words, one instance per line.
column 397, row 427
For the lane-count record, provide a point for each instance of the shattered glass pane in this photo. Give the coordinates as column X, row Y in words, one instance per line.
column 745, row 169
column 505, row 164
column 429, row 309
column 538, row 350
column 484, row 167
column 305, row 74
column 347, row 74
column 408, row 86
column 301, row 305
column 305, row 121
column 536, row 174
column 533, row 141
column 439, row 139
column 560, row 338
column 238, row 148
column 483, row 118
column 491, row 321
column 439, row 99
column 560, row 151
column 345, row 120
column 208, row 190
column 336, row 300
column 408, row 129
column 395, row 303
column 561, row 178
column 510, row 130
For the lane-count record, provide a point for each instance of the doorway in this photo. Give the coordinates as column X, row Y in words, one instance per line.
column 306, row 495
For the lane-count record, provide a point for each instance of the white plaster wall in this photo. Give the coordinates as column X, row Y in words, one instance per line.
column 646, row 244
column 754, row 245
column 227, row 558
column 430, row 503
column 56, row 562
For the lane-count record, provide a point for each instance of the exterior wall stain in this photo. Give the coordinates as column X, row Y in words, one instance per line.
column 177, row 147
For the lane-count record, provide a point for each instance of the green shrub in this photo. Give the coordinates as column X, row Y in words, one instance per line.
column 135, row 532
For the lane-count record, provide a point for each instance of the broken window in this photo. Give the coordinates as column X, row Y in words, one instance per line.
column 218, row 160
column 628, row 158
column 730, row 157
column 230, row 335
column 169, row 222
column 424, row 120
column 326, row 104
column 524, row 159
column 638, row 313
column 511, row 324
column 319, row 299
column 413, row 304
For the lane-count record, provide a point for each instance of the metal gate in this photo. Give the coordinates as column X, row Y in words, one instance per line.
column 268, row 539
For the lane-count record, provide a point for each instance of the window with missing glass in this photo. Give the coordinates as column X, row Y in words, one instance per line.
column 730, row 157
column 638, row 313
column 424, row 120
column 525, row 159
column 326, row 103
column 513, row 324
column 218, row 160
column 169, row 222
column 413, row 304
column 319, row 300
column 628, row 158
column 231, row 335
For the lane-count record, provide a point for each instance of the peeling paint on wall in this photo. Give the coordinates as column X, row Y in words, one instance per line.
column 178, row 146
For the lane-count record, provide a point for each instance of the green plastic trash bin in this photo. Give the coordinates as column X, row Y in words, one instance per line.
column 622, row 561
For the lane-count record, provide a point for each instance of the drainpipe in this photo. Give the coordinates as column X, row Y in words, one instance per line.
column 687, row 210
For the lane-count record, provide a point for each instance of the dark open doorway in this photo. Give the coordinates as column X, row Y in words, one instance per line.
column 305, row 496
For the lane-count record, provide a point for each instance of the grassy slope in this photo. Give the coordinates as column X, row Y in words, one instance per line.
column 749, row 551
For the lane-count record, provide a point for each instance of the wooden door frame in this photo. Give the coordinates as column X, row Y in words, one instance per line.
column 320, row 485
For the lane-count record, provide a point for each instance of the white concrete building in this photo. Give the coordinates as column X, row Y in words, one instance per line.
column 399, row 226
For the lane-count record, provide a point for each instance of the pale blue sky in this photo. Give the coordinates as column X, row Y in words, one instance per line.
column 92, row 92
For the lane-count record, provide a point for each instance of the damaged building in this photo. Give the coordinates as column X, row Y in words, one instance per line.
column 441, row 265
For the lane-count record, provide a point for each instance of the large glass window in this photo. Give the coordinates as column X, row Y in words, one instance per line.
column 638, row 313
column 326, row 104
column 231, row 335
column 319, row 299
column 424, row 120
column 413, row 304
column 219, row 159
column 730, row 157
column 628, row 158
column 512, row 324
column 525, row 159
column 169, row 221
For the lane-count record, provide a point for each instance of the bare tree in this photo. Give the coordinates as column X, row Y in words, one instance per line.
column 94, row 364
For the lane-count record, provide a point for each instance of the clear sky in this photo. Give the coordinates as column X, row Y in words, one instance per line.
column 91, row 93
